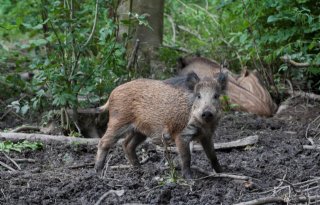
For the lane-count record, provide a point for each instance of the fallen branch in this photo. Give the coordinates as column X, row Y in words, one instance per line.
column 237, row 143
column 47, row 138
column 120, row 166
column 219, row 175
column 24, row 128
column 306, row 95
column 224, row 145
column 117, row 193
column 81, row 166
column 264, row 200
column 25, row 160
column 7, row 166
column 94, row 141
column 311, row 147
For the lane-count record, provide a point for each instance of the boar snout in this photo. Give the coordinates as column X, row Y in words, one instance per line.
column 207, row 116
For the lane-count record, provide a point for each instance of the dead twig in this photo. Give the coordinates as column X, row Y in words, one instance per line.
column 81, row 166
column 281, row 181
column 25, row 160
column 226, row 175
column 220, row 175
column 11, row 160
column 7, row 166
column 120, row 166
column 311, row 147
column 264, row 200
column 117, row 193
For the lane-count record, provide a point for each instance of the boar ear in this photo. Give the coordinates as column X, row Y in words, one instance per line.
column 222, row 80
column 224, row 64
column 192, row 80
column 245, row 72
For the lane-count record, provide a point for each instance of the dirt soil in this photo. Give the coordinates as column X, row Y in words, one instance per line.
column 276, row 165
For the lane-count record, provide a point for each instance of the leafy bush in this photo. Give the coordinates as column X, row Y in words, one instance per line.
column 84, row 58
column 251, row 33
column 70, row 46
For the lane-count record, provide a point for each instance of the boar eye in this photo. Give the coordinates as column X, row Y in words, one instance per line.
column 216, row 96
column 198, row 96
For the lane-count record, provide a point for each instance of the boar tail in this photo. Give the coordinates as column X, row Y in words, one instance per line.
column 104, row 107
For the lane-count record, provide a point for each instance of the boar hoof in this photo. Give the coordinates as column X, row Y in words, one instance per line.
column 217, row 169
column 98, row 167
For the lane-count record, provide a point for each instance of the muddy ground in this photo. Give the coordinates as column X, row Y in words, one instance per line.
column 276, row 165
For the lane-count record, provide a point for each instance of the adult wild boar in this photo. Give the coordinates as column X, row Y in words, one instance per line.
column 182, row 108
column 247, row 92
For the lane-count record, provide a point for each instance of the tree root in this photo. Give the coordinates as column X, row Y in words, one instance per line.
column 24, row 128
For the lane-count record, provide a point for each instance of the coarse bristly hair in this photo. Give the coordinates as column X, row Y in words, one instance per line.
column 186, row 81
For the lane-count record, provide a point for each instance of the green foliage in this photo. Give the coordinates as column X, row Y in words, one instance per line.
column 250, row 33
column 75, row 67
column 226, row 104
column 19, row 107
column 72, row 55
column 7, row 146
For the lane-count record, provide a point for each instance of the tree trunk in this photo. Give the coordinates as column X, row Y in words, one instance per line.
column 145, row 40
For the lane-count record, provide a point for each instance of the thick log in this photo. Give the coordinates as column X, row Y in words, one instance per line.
column 224, row 145
column 94, row 141
column 47, row 138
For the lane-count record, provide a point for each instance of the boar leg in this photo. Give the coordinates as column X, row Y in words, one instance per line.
column 184, row 152
column 130, row 144
column 112, row 135
column 208, row 147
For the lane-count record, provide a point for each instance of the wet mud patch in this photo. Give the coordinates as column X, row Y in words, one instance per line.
column 277, row 161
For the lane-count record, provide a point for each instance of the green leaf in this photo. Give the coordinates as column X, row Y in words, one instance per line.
column 24, row 109
column 272, row 19
column 38, row 42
